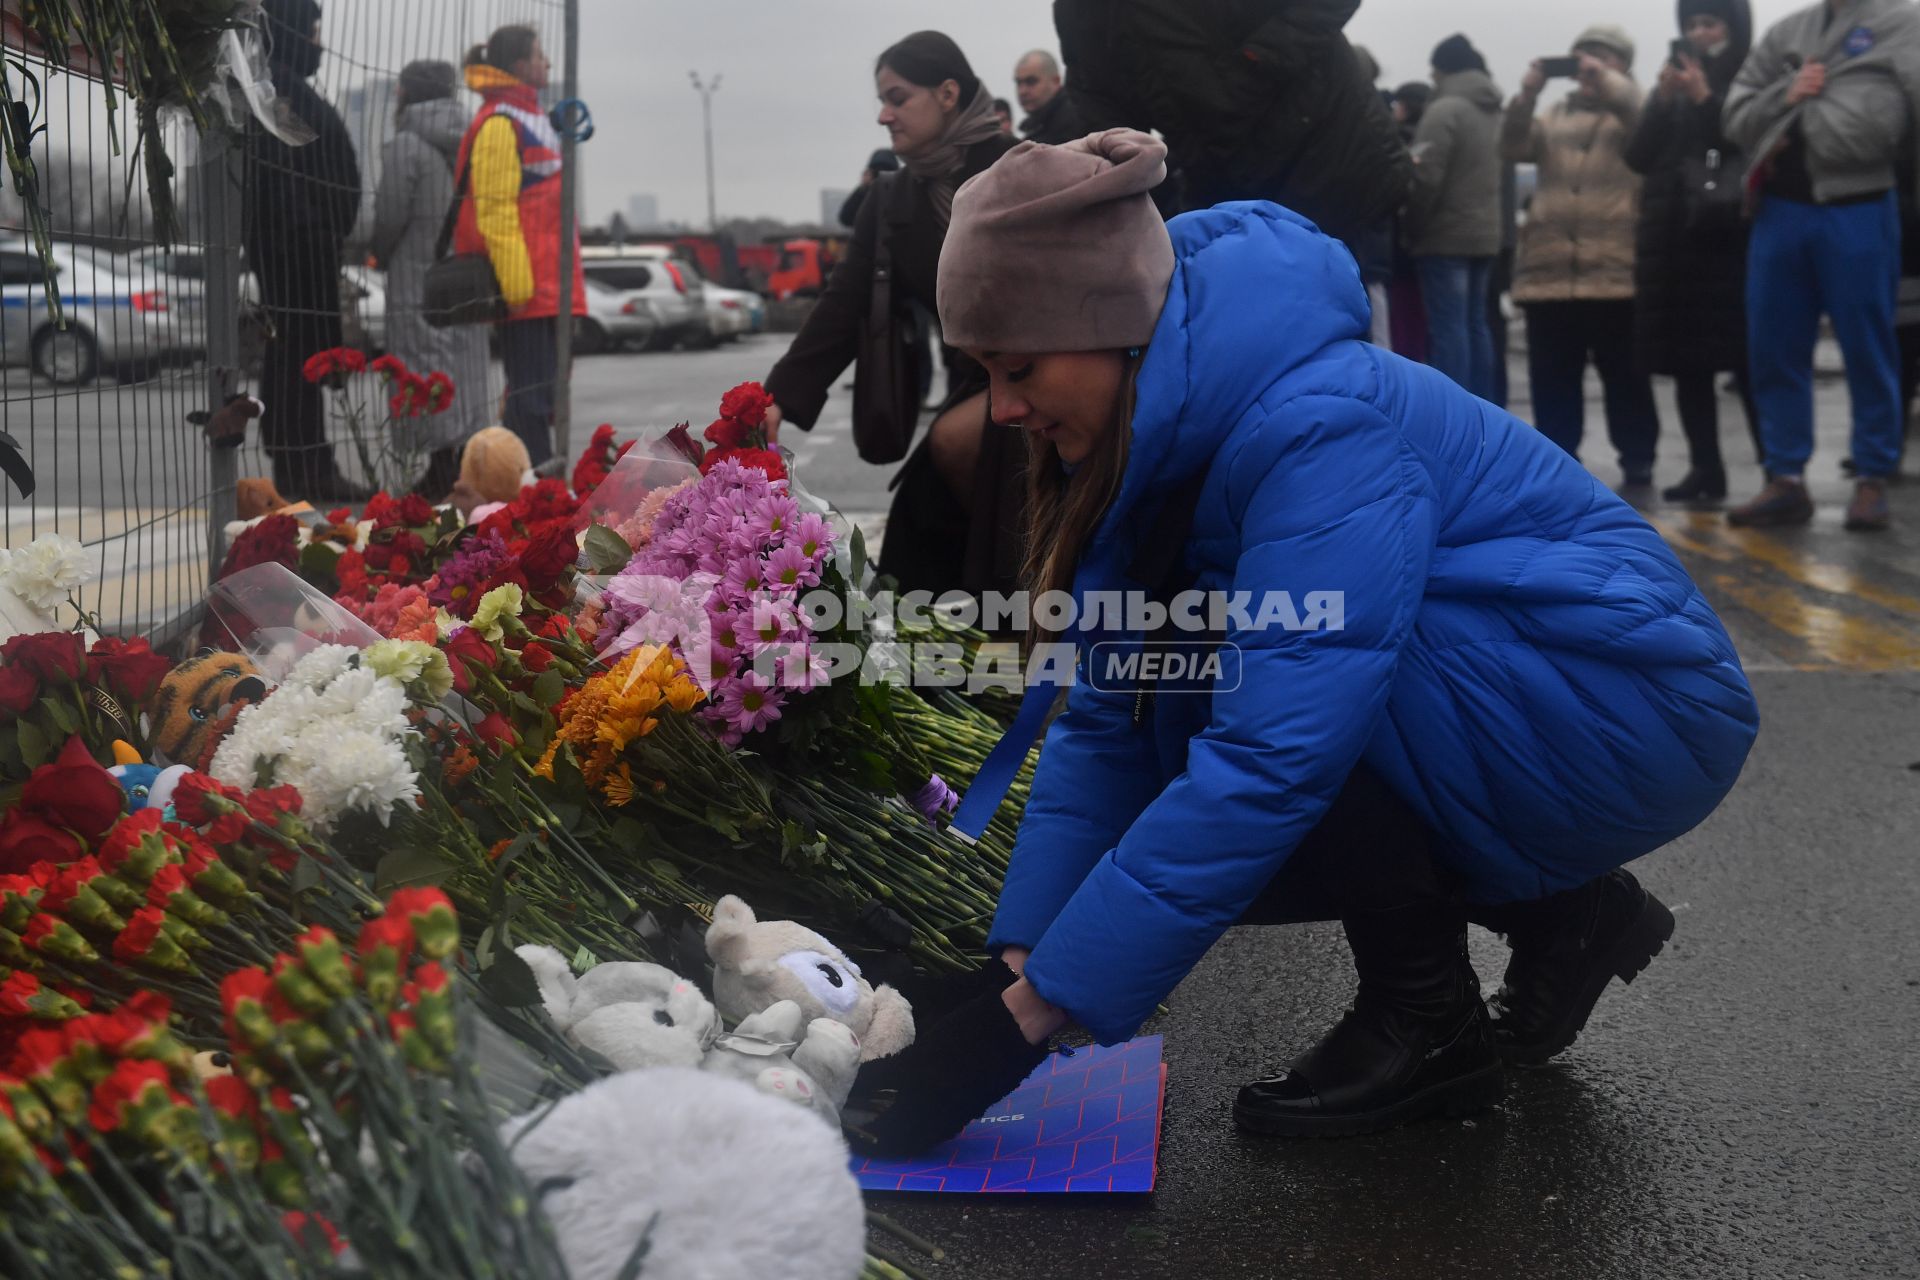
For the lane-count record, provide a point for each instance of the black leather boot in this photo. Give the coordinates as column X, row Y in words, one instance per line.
column 1698, row 485
column 1566, row 948
column 1415, row 1044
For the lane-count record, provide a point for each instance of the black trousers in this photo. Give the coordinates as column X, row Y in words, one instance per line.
column 300, row 294
column 532, row 364
column 1561, row 338
column 1699, row 402
column 1370, row 852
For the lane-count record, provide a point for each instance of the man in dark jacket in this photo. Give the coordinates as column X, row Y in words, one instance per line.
column 1257, row 99
column 1051, row 115
column 301, row 202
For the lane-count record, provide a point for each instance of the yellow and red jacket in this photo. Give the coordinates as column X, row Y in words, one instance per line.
column 512, row 209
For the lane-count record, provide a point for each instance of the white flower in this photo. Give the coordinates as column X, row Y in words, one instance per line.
column 335, row 731
column 45, row 572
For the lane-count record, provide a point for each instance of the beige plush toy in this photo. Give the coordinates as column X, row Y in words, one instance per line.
column 757, row 964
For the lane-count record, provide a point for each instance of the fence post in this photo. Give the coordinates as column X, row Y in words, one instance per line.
column 219, row 189
column 569, row 231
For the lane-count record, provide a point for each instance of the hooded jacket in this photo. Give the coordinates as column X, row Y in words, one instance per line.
column 1859, row 131
column 1521, row 657
column 1690, row 274
column 409, row 209
column 1257, row 99
column 301, row 200
column 1577, row 245
column 1454, row 208
column 512, row 209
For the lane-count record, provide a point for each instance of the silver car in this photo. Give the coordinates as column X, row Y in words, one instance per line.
column 665, row 287
column 614, row 321
column 121, row 315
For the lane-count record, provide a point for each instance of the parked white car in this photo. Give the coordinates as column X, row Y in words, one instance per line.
column 732, row 312
column 614, row 321
column 668, row 287
column 116, row 321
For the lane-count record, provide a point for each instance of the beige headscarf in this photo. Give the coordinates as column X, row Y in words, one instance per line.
column 940, row 167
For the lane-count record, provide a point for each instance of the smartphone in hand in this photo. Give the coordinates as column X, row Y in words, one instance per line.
column 1560, row 68
column 1678, row 51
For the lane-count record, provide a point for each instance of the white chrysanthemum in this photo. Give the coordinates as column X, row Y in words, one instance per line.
column 45, row 571
column 335, row 731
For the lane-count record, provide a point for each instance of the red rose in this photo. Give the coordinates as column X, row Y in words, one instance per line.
column 548, row 555
column 725, row 433
column 19, row 690
column 497, row 732
column 536, row 657
column 129, row 668
column 75, row 792
column 51, row 655
column 416, row 510
column 746, row 404
column 559, row 627
column 275, row 540
column 681, row 441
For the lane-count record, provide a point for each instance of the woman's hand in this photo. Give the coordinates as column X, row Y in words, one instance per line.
column 772, row 425
column 1534, row 81
column 1592, row 72
column 1015, row 958
column 1689, row 80
column 1036, row 1017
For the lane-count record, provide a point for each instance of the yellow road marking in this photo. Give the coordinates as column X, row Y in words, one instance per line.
column 1757, row 545
column 1829, row 634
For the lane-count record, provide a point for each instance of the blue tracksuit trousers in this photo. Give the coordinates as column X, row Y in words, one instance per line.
column 1844, row 260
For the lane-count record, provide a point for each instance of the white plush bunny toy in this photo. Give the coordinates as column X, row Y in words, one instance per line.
column 643, row 1015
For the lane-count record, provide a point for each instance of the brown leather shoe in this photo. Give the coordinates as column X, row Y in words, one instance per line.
column 1868, row 513
column 1782, row 502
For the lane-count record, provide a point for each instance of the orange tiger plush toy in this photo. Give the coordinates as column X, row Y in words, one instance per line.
column 197, row 704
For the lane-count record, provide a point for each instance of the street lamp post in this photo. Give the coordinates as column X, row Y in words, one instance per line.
column 706, row 92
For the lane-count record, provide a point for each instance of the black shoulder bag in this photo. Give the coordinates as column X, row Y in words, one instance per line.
column 886, row 379
column 460, row 288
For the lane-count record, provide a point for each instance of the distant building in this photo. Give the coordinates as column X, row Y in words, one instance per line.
column 831, row 198
column 643, row 212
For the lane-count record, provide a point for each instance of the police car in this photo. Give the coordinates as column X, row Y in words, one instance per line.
column 120, row 315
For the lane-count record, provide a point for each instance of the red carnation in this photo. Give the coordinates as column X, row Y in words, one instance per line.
column 390, row 366
column 746, row 404
column 439, row 392
column 131, row 1084
column 536, row 657
column 764, row 459
column 143, row 930
column 548, row 555
column 725, row 433
column 416, row 510
column 50, row 655
column 311, row 1230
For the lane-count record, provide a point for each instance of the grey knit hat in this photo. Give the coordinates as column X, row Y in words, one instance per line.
column 1607, row 36
column 425, row 81
column 1058, row 248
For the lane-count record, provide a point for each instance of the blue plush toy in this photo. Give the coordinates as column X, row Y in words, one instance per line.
column 147, row 786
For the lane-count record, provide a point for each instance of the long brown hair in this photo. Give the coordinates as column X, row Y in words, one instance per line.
column 504, row 48
column 1064, row 510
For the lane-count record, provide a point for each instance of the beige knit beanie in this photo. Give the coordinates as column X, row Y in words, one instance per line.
column 1058, row 248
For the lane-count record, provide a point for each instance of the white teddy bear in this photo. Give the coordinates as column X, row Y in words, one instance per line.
column 643, row 1015
column 720, row 1182
column 759, row 963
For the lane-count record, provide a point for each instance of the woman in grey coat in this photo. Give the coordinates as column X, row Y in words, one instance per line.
column 416, row 188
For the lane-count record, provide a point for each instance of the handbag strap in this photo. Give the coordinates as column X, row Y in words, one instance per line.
column 452, row 220
column 880, row 291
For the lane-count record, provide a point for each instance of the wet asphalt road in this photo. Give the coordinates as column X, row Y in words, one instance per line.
column 1749, row 1107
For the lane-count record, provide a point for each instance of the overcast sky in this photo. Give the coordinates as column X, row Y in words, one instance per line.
column 795, row 109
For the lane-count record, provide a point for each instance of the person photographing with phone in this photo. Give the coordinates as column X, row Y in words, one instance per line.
column 1690, row 254
column 1574, row 271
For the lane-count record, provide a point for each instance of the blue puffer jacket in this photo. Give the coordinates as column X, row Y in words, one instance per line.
column 1523, row 659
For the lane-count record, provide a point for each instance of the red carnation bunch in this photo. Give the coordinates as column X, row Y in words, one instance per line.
column 598, row 460
column 334, row 360
column 739, row 434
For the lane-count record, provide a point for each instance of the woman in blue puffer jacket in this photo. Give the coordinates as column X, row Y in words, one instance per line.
column 1466, row 683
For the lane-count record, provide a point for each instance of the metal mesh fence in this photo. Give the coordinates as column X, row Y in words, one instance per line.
column 277, row 262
